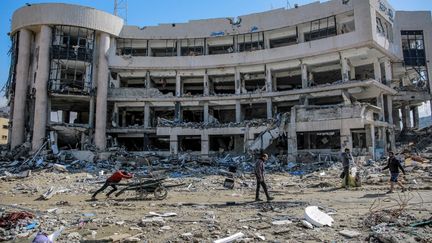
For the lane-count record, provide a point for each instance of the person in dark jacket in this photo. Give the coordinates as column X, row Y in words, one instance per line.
column 259, row 174
column 393, row 164
column 112, row 181
column 346, row 160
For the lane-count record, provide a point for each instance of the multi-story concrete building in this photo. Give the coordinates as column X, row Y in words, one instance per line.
column 342, row 73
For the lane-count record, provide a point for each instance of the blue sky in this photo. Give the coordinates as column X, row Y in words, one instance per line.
column 152, row 12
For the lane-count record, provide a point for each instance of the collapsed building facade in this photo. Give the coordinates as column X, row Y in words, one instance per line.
column 320, row 77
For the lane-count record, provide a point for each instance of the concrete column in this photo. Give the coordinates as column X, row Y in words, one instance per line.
column 146, row 115
column 41, row 86
column 269, row 108
column 388, row 71
column 102, row 92
column 392, row 139
column 377, row 70
column 173, row 144
column 269, row 81
column 238, row 111
column 206, row 49
column 17, row 136
column 206, row 112
column 345, row 137
column 204, row 145
column 390, row 109
column 304, row 76
column 380, row 104
column 370, row 139
column 352, row 72
column 292, row 137
column 235, row 43
column 124, row 118
column 178, row 47
column 416, row 117
column 406, row 117
column 177, row 112
column 237, row 81
column 178, row 85
column 396, row 119
column 206, row 84
column 148, row 83
column 345, row 69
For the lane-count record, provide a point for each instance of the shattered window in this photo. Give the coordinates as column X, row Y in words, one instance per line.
column 71, row 60
column 413, row 48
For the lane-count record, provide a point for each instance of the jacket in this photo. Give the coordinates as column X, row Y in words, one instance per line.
column 118, row 176
column 259, row 169
column 394, row 165
column 346, row 158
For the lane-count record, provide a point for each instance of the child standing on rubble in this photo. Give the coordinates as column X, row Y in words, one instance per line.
column 259, row 174
column 393, row 164
column 112, row 181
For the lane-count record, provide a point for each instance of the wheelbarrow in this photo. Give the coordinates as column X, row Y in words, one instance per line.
column 145, row 188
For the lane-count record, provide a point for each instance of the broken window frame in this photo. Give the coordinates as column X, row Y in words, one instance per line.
column 248, row 44
column 413, row 55
column 9, row 87
column 62, row 55
column 320, row 32
column 125, row 46
column 193, row 50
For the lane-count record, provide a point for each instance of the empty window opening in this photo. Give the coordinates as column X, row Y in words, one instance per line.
column 254, row 82
column 69, row 111
column 288, row 80
column 345, row 22
column 326, row 77
column 131, row 143
column 221, row 49
column 223, row 84
column 161, row 113
column 250, row 41
column 223, row 114
column 192, row 47
column 254, row 111
column 330, row 100
column 321, row 28
column 283, row 41
column 164, row 48
column 132, row 82
column 156, row 143
column 364, row 72
column 359, row 138
column 131, row 116
column 192, row 114
column 192, row 86
column 222, row 143
column 131, row 47
column 189, row 143
column 165, row 85
column 318, row 140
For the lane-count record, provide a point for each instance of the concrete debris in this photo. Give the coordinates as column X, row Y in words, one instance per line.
column 316, row 217
column 231, row 238
column 350, row 233
column 307, row 224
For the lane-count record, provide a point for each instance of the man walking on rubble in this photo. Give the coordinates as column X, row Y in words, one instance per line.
column 347, row 159
column 259, row 174
column 112, row 181
column 393, row 164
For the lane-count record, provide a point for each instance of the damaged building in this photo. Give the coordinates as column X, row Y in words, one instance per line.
column 320, row 77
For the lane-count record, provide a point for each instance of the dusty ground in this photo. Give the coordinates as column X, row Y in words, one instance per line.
column 202, row 210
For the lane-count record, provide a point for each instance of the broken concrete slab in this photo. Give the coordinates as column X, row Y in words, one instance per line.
column 231, row 238
column 83, row 155
column 316, row 217
column 350, row 233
